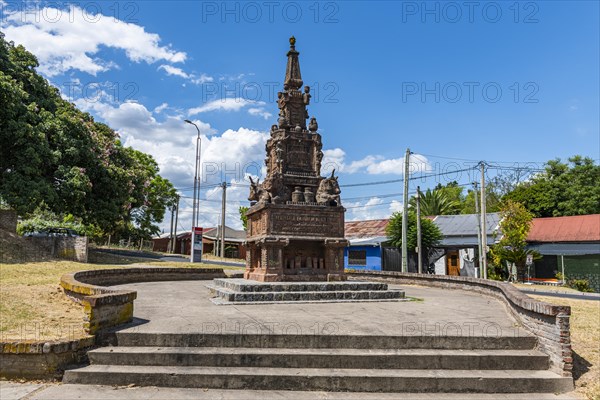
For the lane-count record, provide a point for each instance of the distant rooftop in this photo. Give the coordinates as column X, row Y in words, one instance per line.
column 580, row 228
column 364, row 229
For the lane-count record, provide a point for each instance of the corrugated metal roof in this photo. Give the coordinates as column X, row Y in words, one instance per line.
column 370, row 228
column 230, row 234
column 580, row 228
column 466, row 224
column 368, row 241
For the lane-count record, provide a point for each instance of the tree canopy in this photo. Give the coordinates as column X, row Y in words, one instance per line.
column 55, row 157
column 430, row 233
column 563, row 189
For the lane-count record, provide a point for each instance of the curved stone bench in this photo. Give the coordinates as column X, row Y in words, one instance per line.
column 107, row 308
column 548, row 322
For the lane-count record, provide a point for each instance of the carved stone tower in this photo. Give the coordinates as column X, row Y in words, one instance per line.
column 296, row 219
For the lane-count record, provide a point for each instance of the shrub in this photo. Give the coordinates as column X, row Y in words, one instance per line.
column 583, row 285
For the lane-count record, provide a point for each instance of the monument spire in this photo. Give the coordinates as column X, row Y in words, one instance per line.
column 293, row 78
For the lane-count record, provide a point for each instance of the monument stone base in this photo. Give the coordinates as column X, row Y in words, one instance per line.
column 237, row 290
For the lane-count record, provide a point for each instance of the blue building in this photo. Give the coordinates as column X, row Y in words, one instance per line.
column 366, row 239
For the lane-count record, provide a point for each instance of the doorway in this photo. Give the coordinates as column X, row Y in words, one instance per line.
column 452, row 263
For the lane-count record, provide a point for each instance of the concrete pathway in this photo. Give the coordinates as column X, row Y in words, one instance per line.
column 94, row 392
column 185, row 307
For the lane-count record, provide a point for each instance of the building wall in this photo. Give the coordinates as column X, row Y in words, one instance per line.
column 584, row 267
column 373, row 258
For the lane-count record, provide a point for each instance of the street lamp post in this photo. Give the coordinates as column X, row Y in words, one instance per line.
column 196, row 198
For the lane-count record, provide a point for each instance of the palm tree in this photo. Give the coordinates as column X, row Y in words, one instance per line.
column 436, row 202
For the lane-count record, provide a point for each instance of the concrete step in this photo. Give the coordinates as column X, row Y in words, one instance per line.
column 335, row 380
column 244, row 285
column 322, row 358
column 323, row 341
column 229, row 295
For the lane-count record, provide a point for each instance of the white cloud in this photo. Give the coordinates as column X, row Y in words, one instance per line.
column 171, row 70
column 70, row 39
column 417, row 163
column 229, row 156
column 372, row 164
column 229, row 104
column 373, row 208
column 161, row 108
column 202, row 79
column 359, row 165
column 174, row 71
column 332, row 159
column 260, row 111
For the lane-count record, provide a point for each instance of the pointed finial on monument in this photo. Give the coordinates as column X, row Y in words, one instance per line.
column 293, row 78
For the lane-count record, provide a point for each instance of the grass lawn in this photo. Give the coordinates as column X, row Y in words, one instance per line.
column 33, row 306
column 585, row 340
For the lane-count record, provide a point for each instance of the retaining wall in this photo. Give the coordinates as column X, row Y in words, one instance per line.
column 8, row 220
column 550, row 323
column 63, row 247
column 106, row 308
column 41, row 360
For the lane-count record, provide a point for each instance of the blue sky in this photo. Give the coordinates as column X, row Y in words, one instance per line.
column 505, row 82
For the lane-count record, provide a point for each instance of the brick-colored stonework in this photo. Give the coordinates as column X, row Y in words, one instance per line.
column 296, row 221
column 41, row 360
column 550, row 323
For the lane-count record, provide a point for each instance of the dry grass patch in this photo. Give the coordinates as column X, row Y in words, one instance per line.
column 546, row 288
column 34, row 307
column 585, row 340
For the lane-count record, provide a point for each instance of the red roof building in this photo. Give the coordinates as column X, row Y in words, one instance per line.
column 580, row 228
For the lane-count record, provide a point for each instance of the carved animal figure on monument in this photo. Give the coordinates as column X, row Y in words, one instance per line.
column 278, row 192
column 329, row 191
column 258, row 193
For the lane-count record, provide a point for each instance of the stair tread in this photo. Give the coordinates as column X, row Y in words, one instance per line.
column 319, row 351
column 319, row 372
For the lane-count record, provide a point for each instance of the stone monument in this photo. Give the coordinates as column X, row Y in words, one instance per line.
column 296, row 218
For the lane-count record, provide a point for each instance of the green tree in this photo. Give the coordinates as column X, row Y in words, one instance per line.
column 53, row 154
column 515, row 223
column 437, row 202
column 562, row 189
column 431, row 235
column 243, row 210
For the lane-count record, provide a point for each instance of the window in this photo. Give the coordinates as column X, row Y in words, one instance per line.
column 454, row 260
column 357, row 257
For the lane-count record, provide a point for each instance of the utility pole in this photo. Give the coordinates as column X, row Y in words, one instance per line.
column 483, row 223
column 223, row 220
column 170, row 246
column 174, row 246
column 419, row 249
column 479, row 258
column 405, row 214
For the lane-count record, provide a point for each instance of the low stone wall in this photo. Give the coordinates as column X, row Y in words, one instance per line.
column 8, row 220
column 107, row 308
column 548, row 322
column 63, row 247
column 41, row 360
